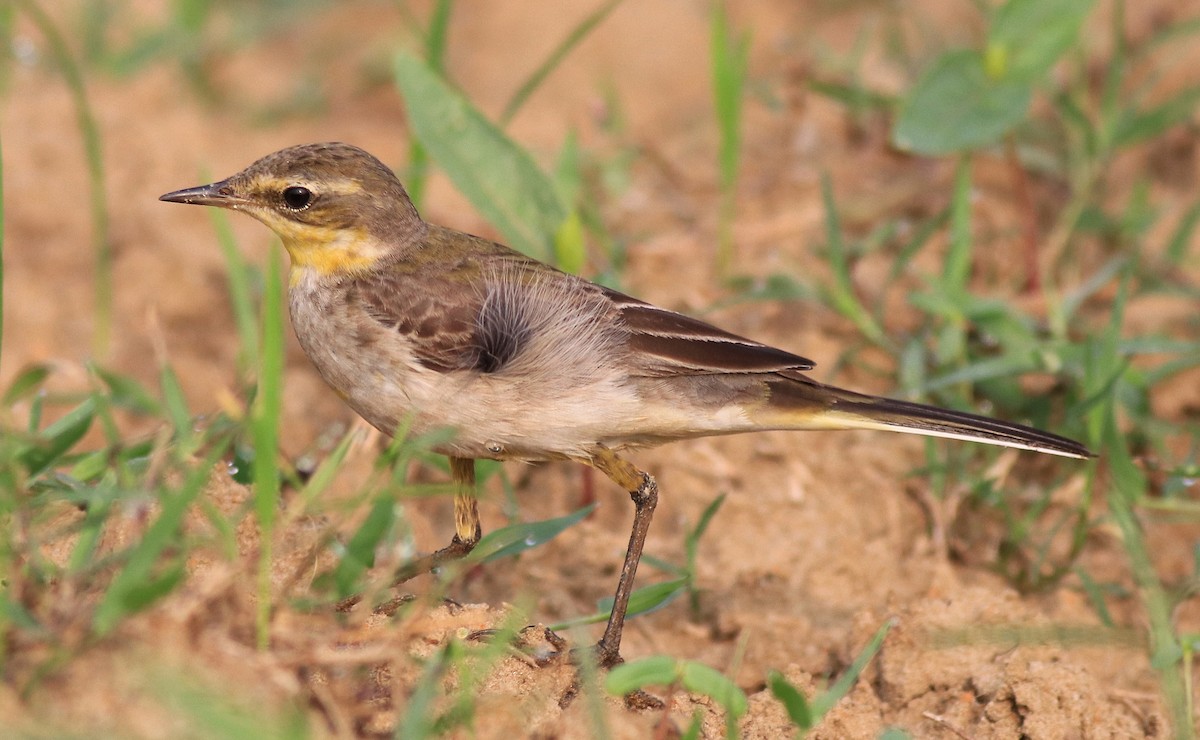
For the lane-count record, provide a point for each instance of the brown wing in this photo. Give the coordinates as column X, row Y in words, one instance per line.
column 452, row 324
column 462, row 311
column 437, row 321
column 667, row 343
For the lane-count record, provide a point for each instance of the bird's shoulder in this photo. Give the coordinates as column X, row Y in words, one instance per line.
column 442, row 298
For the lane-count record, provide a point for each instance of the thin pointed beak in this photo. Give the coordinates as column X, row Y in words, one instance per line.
column 217, row 194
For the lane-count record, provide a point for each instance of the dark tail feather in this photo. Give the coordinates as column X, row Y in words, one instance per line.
column 800, row 404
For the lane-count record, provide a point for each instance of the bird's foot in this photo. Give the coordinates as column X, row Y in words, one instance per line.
column 457, row 549
column 537, row 644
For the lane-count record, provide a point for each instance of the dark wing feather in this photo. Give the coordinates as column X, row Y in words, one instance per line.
column 666, row 343
column 438, row 322
column 452, row 313
column 451, row 325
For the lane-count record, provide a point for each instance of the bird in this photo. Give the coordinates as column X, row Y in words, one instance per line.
column 424, row 328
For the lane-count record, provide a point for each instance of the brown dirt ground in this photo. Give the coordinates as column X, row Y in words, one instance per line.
column 822, row 538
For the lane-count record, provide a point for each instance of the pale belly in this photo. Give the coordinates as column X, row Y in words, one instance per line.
column 563, row 406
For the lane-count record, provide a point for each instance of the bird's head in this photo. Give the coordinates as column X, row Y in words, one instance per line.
column 337, row 208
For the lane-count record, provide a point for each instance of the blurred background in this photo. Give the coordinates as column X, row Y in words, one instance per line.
column 990, row 206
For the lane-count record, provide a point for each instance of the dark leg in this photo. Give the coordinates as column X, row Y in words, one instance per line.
column 644, row 492
column 467, row 530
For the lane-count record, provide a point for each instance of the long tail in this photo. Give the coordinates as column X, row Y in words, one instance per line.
column 800, row 403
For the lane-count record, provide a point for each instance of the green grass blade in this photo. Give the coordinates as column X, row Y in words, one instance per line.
column 1180, row 241
column 439, row 32
column 729, row 54
column 2, row 250
column 419, row 718
column 59, row 437
column 265, row 429
column 176, row 408
column 577, row 34
column 127, row 393
column 359, row 553
column 845, row 682
column 793, row 701
column 325, row 472
column 517, row 538
column 1128, row 486
column 656, row 670
column 841, row 293
column 1133, row 127
column 642, row 601
column 83, row 553
column 693, row 676
column 1073, row 300
column 499, row 178
column 90, row 131
column 241, row 292
column 1095, row 595
column 139, row 583
column 417, row 172
column 691, row 541
column 957, row 268
column 27, row 383
column 729, row 51
column 699, row 678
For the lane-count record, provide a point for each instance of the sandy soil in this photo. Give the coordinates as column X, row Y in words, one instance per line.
column 822, row 538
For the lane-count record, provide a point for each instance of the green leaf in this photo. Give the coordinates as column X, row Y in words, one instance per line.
column 59, row 437
column 143, row 593
column 568, row 170
column 268, row 400
column 955, row 106
column 517, row 538
column 956, row 269
column 1182, row 239
column 793, row 701
column 702, row 679
column 419, row 716
column 16, row 615
column 845, row 682
column 241, row 289
column 648, row 598
column 662, row 670
column 840, row 292
column 264, row 428
column 1134, row 126
column 691, row 540
column 360, row 550
column 570, row 250
column 657, row 670
column 88, row 538
column 730, row 51
column 641, row 601
column 137, row 584
column 1095, row 594
column 1031, row 35
column 28, row 382
column 499, row 178
column 127, row 393
column 91, row 465
column 175, row 403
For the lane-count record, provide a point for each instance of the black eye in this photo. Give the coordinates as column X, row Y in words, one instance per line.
column 297, row 198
